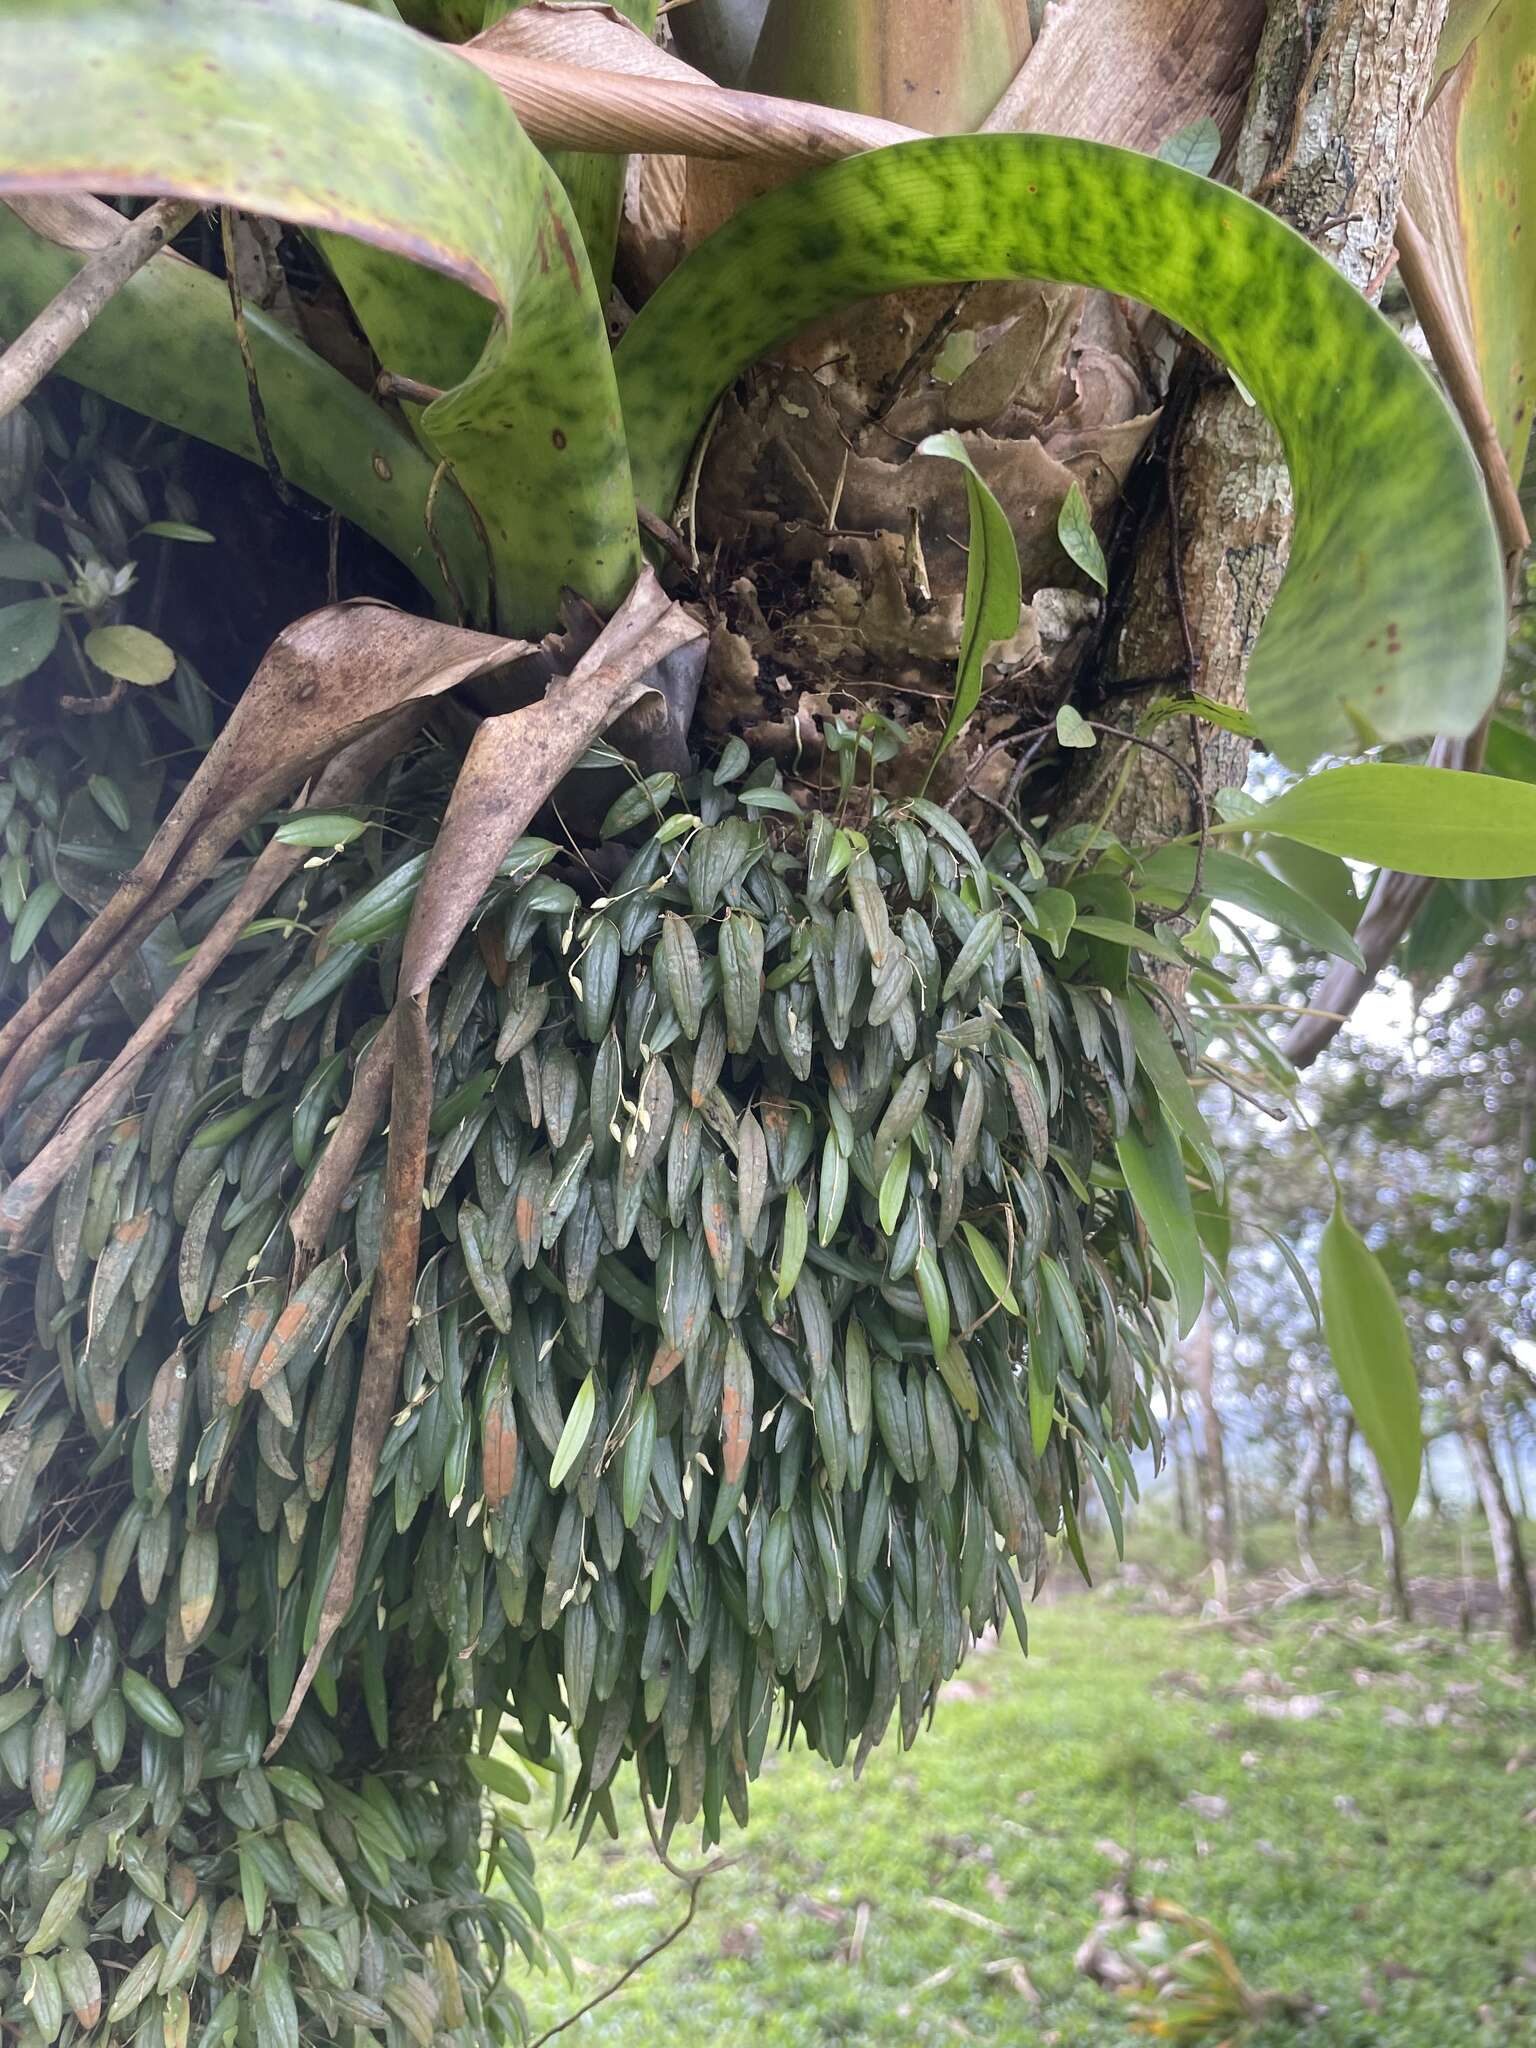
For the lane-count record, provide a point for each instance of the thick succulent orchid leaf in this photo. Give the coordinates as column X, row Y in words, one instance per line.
column 166, row 347
column 1390, row 622
column 341, row 121
column 1472, row 189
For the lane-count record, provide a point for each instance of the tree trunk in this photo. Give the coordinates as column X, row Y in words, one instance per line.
column 1309, row 1486
column 1343, row 1470
column 1432, row 1500
column 1183, row 1476
column 1509, row 1566
column 1398, row 1604
column 1215, row 1489
column 1518, row 1498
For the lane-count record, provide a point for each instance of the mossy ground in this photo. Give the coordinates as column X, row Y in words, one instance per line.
column 1378, row 1855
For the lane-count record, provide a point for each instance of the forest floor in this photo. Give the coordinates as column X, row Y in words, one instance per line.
column 1350, row 1803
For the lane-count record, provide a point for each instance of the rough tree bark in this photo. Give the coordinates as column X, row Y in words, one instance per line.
column 1337, row 91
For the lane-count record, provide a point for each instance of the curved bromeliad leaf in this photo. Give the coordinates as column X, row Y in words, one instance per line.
column 1390, row 622
column 335, row 119
column 166, row 347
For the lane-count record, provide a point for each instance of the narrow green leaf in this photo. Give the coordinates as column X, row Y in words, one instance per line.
column 573, row 1437
column 1420, row 821
column 1074, row 529
column 893, row 1187
column 1371, row 1355
column 320, row 828
column 177, row 529
column 1154, row 1172
column 1160, row 1063
column 796, row 1237
column 35, row 913
column 935, row 1297
column 993, row 594
column 1167, row 876
column 501, row 1778
column 990, row 1266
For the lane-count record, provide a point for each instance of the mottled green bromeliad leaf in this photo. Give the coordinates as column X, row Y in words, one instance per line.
column 1390, row 622
column 341, row 121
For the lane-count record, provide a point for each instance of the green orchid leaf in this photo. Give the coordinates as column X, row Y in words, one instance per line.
column 165, row 346
column 1391, row 620
column 1167, row 876
column 993, row 591
column 420, row 158
column 1420, row 821
column 1371, row 1355
column 1153, row 1166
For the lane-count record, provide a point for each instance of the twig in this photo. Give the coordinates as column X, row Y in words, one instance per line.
column 1458, row 368
column 692, row 1882
column 668, row 537
column 41, row 346
column 647, row 1956
column 389, row 385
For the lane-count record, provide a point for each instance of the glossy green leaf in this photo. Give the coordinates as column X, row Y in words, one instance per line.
column 1161, row 1065
column 578, row 1426
column 503, row 1779
column 320, row 828
column 990, row 1266
column 1420, row 821
column 1371, row 1355
column 1391, row 619
column 993, row 593
column 1154, row 1172
column 1167, row 876
column 420, row 157
column 35, row 913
